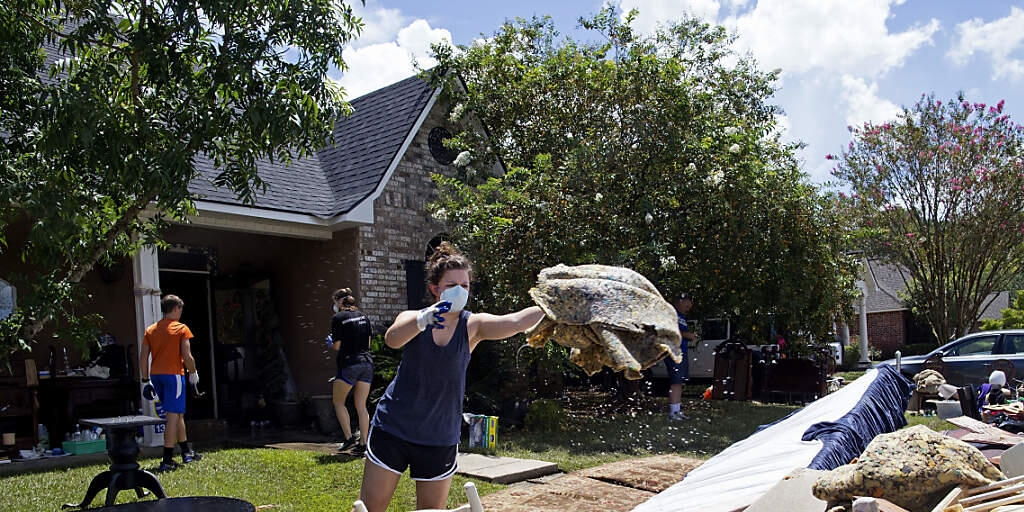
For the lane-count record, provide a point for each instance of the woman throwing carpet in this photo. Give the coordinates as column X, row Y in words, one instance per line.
column 418, row 420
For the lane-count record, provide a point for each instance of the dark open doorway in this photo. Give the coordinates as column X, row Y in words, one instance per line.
column 193, row 287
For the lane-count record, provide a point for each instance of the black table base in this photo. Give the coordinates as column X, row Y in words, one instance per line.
column 125, row 473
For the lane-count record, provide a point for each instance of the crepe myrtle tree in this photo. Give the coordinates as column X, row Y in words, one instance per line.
column 659, row 153
column 107, row 105
column 940, row 193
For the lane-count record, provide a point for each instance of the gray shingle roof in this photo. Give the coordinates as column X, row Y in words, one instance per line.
column 340, row 176
column 891, row 284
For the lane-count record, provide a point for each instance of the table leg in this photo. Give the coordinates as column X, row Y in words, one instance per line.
column 98, row 483
column 148, row 480
column 140, row 492
column 113, row 489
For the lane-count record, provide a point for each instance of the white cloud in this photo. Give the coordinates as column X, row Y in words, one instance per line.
column 998, row 39
column 376, row 65
column 651, row 13
column 863, row 103
column 830, row 35
column 379, row 24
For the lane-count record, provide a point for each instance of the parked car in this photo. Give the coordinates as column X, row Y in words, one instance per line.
column 969, row 360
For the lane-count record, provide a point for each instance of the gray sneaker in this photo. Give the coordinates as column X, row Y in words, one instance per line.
column 677, row 416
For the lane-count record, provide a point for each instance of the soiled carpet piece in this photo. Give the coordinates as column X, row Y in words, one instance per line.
column 608, row 316
column 912, row 468
column 928, row 381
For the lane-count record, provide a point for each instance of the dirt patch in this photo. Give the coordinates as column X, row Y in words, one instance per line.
column 568, row 492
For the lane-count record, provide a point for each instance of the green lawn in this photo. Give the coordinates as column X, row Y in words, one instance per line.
column 593, row 432
column 299, row 481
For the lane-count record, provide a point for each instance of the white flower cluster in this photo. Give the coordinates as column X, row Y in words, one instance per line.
column 440, row 215
column 735, row 148
column 716, row 177
column 668, row 262
column 463, row 159
column 731, row 130
column 457, row 112
column 648, row 218
column 598, row 197
column 692, row 167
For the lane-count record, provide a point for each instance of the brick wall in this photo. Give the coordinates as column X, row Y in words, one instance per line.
column 886, row 330
column 402, row 227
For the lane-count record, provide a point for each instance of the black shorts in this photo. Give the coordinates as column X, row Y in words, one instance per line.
column 425, row 463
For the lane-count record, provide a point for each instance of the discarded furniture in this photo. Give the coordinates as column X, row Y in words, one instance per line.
column 732, row 374
column 19, row 403
column 124, row 473
column 66, row 399
column 984, row 498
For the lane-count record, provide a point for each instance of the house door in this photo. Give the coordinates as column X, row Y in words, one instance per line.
column 193, row 287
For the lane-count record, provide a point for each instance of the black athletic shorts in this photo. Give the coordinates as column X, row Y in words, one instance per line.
column 425, row 463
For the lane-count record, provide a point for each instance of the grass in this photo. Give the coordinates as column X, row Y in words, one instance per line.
column 594, row 431
column 299, row 481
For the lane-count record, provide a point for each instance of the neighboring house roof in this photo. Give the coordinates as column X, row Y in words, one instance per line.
column 890, row 284
column 340, row 176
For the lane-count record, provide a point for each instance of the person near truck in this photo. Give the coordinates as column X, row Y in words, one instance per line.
column 679, row 372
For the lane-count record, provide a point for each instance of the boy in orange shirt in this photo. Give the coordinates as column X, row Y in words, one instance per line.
column 168, row 342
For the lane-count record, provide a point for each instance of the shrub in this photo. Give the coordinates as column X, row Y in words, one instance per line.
column 544, row 416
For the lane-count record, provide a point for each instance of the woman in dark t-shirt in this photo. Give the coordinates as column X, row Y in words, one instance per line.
column 350, row 336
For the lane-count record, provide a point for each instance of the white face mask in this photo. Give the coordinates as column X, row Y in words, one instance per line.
column 458, row 296
column 336, row 308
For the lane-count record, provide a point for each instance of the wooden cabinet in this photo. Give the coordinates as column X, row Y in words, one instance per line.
column 19, row 402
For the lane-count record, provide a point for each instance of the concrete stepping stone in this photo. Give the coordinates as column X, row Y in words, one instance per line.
column 654, row 474
column 566, row 493
column 503, row 470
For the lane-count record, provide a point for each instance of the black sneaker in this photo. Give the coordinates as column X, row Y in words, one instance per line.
column 348, row 443
column 166, row 466
column 191, row 456
column 359, row 450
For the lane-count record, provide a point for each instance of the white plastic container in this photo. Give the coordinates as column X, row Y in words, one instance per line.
column 947, row 409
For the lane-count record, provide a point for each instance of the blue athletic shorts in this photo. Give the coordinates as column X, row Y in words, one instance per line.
column 678, row 373
column 361, row 372
column 171, row 390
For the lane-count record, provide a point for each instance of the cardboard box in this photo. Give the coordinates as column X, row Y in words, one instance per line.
column 483, row 431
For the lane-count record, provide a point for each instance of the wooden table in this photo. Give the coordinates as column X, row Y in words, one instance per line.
column 124, row 473
column 190, row 504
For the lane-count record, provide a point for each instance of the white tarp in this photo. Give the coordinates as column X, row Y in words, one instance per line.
column 742, row 473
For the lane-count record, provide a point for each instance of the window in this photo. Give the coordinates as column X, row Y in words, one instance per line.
column 1014, row 344
column 435, row 142
column 974, row 346
column 715, row 329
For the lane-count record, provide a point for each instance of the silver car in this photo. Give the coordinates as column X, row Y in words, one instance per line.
column 969, row 360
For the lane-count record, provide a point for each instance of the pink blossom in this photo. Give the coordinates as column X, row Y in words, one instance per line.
column 889, row 244
column 829, row 157
column 910, row 235
column 999, row 106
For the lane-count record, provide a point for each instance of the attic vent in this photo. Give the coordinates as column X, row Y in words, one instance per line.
column 435, row 141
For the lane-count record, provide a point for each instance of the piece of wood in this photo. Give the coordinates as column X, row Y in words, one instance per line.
column 31, row 375
column 984, row 507
column 885, row 505
column 969, row 423
column 998, row 493
column 949, row 499
column 994, row 485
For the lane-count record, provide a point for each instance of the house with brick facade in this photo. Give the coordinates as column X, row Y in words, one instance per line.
column 891, row 324
column 257, row 279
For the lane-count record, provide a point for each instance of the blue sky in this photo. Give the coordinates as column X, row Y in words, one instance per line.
column 843, row 61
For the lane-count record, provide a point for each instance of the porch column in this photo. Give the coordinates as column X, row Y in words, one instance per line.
column 146, row 276
column 865, row 359
column 844, row 334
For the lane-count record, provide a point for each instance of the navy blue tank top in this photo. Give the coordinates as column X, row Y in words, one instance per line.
column 423, row 404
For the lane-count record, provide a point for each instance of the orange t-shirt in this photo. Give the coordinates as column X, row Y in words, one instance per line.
column 164, row 340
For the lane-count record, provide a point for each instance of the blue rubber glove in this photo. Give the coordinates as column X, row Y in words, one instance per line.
column 431, row 315
column 148, row 391
column 330, row 341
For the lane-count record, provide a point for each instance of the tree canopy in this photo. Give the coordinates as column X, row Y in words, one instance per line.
column 105, row 108
column 660, row 153
column 940, row 193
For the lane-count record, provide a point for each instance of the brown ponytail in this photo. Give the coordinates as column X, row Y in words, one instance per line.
column 446, row 257
column 346, row 298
